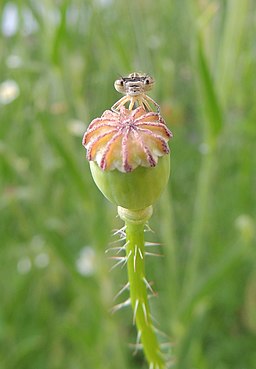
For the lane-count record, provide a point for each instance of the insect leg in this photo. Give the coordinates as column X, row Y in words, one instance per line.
column 148, row 99
column 120, row 103
column 145, row 104
column 132, row 102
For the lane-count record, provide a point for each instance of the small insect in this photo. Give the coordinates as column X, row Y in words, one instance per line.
column 134, row 87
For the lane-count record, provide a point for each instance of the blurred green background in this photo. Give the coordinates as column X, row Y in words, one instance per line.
column 59, row 60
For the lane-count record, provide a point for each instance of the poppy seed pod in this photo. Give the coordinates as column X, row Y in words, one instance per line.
column 128, row 154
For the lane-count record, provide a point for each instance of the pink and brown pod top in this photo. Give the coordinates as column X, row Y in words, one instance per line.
column 127, row 139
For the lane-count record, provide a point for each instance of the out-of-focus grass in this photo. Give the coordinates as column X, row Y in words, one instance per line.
column 64, row 56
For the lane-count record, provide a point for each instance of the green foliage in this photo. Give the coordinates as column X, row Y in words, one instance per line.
column 56, row 289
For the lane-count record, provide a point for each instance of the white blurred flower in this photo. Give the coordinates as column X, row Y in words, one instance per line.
column 76, row 128
column 86, row 261
column 37, row 243
column 13, row 61
column 30, row 23
column 104, row 3
column 245, row 224
column 203, row 148
column 24, row 265
column 9, row 91
column 10, row 20
column 42, row 260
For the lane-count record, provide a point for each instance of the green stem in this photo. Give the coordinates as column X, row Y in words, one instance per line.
column 135, row 221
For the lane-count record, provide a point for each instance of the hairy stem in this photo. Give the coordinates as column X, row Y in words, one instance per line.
column 135, row 251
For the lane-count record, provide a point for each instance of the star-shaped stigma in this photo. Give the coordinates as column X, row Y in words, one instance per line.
column 127, row 139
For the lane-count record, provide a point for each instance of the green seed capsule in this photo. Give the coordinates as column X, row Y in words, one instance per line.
column 134, row 190
column 129, row 156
